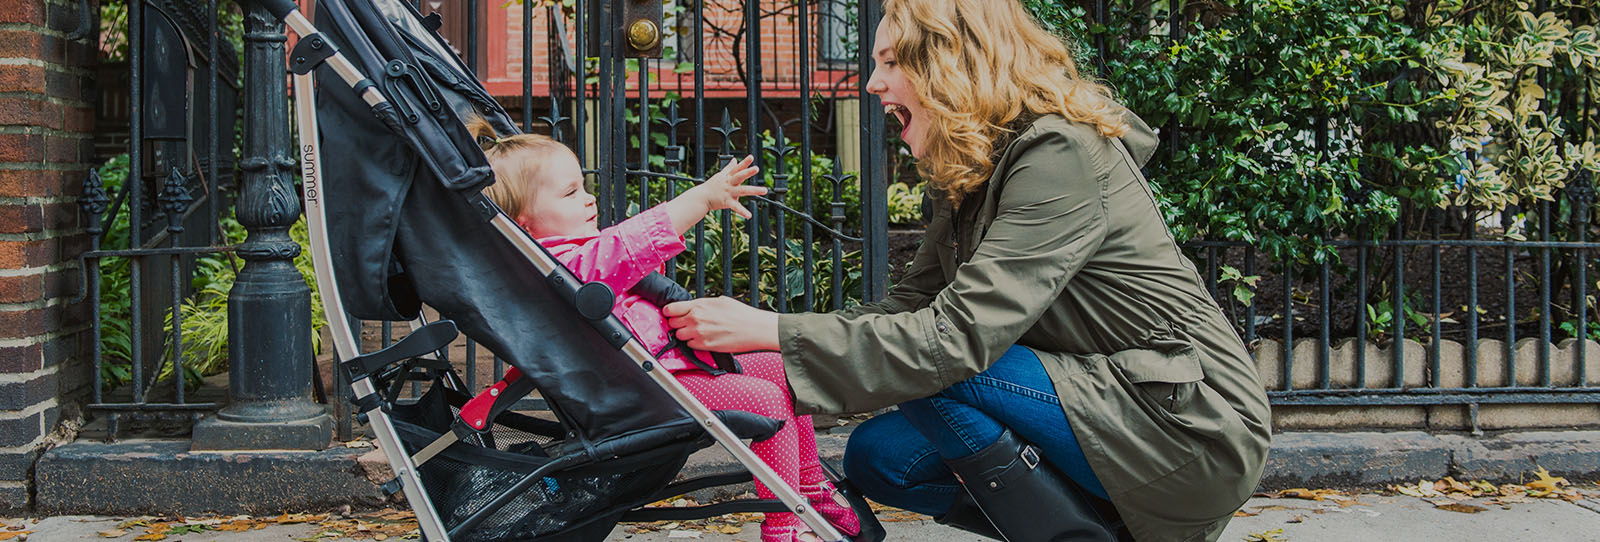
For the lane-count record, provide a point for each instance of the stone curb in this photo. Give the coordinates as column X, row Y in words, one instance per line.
column 136, row 477
column 142, row 477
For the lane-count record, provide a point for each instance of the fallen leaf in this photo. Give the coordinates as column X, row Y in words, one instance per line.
column 152, row 536
column 1546, row 484
column 1460, row 507
column 238, row 526
column 1275, row 535
column 1244, row 514
column 189, row 528
column 17, row 535
column 1422, row 490
column 1303, row 493
column 112, row 533
column 1296, row 519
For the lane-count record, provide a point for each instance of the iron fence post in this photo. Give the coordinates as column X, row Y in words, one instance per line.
column 874, row 169
column 270, row 404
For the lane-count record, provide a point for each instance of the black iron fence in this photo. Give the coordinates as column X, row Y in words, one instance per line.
column 1463, row 314
column 158, row 213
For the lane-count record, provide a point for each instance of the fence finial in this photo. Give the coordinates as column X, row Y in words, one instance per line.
column 175, row 200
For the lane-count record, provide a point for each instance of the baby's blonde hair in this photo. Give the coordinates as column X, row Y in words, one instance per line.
column 978, row 65
column 516, row 160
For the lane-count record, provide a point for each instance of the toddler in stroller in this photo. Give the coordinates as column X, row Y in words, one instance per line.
column 540, row 184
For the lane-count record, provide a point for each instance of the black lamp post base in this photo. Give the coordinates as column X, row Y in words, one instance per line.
column 216, row 433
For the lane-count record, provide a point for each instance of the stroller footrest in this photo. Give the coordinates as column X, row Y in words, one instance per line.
column 750, row 425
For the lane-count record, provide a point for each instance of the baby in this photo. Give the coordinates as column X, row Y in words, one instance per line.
column 539, row 183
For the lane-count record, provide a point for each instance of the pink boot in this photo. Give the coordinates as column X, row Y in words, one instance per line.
column 827, row 501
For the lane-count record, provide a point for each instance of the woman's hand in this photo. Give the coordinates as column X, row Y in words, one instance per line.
column 722, row 324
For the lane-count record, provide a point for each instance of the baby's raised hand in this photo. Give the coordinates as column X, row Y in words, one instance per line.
column 723, row 190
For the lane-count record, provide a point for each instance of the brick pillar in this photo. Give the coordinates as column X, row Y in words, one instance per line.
column 46, row 118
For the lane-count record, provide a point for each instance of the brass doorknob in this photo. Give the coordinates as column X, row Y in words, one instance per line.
column 643, row 35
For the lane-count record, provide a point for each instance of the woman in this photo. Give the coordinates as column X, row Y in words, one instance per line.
column 1047, row 313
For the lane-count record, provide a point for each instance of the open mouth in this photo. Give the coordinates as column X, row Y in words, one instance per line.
column 900, row 113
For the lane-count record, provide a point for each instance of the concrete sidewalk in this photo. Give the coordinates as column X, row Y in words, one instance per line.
column 1363, row 518
column 135, row 476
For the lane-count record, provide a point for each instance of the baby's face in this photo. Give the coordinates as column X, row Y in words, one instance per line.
column 560, row 204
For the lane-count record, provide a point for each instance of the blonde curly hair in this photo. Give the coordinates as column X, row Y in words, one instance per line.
column 516, row 160
column 978, row 65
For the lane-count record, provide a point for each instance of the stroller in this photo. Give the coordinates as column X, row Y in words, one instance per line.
column 397, row 220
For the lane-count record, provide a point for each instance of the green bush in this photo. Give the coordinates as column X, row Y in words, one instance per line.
column 905, row 203
column 1243, row 160
column 1421, row 105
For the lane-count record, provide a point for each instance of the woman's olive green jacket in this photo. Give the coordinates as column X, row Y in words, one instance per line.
column 1064, row 251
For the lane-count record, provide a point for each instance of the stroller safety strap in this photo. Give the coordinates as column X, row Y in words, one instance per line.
column 660, row 291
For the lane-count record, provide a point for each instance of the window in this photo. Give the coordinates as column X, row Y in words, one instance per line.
column 837, row 34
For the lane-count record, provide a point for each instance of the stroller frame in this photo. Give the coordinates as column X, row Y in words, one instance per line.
column 404, row 465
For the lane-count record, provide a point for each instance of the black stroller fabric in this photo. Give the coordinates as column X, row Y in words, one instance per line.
column 402, row 231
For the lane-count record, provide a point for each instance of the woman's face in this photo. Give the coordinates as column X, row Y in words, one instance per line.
column 894, row 89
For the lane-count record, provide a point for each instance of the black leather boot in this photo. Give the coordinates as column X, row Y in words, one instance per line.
column 1025, row 498
column 965, row 515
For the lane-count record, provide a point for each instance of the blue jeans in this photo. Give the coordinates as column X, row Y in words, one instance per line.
column 898, row 458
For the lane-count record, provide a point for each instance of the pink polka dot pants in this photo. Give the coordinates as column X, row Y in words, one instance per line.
column 763, row 389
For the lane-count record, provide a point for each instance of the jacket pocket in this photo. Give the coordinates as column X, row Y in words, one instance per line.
column 1163, row 376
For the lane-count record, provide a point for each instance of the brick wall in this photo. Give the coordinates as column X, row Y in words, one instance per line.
column 46, row 118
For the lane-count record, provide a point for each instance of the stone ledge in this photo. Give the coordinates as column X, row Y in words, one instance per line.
column 1353, row 459
column 163, row 476
column 1511, row 457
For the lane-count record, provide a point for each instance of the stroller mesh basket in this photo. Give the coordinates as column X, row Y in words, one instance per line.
column 465, row 479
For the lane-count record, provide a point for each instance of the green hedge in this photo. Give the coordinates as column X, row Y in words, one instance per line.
column 1406, row 96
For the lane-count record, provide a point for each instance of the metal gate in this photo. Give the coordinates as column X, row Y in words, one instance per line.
column 656, row 95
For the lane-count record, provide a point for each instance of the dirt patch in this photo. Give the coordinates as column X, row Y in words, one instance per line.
column 1507, row 290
